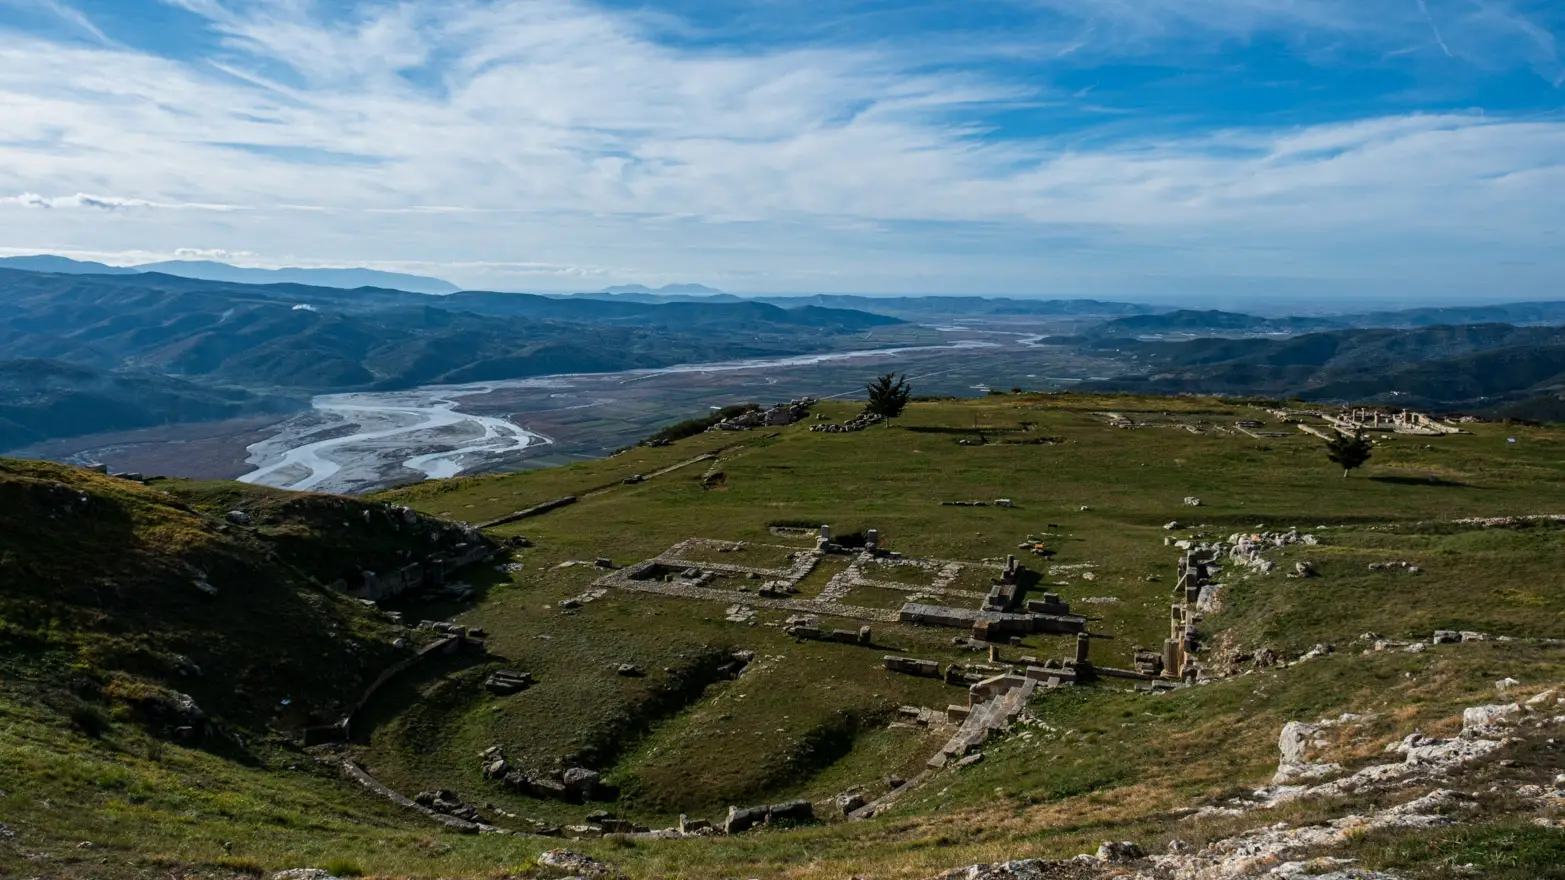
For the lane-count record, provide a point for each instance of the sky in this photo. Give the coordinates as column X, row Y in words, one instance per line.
column 1263, row 153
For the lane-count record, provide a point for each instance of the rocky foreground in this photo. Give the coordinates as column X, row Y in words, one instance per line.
column 1428, row 782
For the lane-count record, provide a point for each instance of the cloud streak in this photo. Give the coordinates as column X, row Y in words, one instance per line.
column 101, row 203
column 513, row 142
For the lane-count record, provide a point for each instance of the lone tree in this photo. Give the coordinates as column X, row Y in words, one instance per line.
column 888, row 395
column 1349, row 451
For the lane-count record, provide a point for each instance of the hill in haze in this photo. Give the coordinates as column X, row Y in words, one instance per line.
column 665, row 289
column 1466, row 367
column 208, row 270
column 86, row 353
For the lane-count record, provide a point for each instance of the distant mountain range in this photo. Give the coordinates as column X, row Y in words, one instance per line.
column 41, row 399
column 1498, row 369
column 80, row 353
column 1188, row 322
column 207, row 270
column 665, row 290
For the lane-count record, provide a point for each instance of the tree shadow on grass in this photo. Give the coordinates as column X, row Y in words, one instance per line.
column 1437, row 482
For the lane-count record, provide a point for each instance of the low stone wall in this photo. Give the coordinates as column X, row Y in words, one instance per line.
column 535, row 510
column 433, row 571
column 807, row 606
column 357, row 774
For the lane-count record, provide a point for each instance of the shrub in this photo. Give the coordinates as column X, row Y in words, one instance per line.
column 91, row 719
column 343, row 868
column 692, row 427
column 241, row 865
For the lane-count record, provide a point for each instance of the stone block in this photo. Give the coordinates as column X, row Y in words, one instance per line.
column 912, row 666
column 743, row 819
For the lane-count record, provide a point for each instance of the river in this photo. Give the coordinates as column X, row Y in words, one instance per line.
column 377, row 438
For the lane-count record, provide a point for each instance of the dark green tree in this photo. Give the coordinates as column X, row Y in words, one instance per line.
column 1349, row 450
column 888, row 395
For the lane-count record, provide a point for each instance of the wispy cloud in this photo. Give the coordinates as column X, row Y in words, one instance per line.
column 1434, row 29
column 66, row 14
column 101, row 203
column 538, row 142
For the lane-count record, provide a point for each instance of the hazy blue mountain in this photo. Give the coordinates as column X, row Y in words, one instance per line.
column 652, row 298
column 1521, row 313
column 62, row 266
column 42, row 399
column 957, row 308
column 207, row 270
column 343, row 278
column 1190, row 321
column 84, row 349
column 666, row 289
column 1473, row 367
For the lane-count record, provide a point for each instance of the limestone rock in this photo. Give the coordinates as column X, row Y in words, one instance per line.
column 743, row 819
column 849, row 801
column 1479, row 720
column 1295, row 740
column 580, row 782
column 574, row 863
column 1026, row 869
column 1122, row 851
column 237, row 517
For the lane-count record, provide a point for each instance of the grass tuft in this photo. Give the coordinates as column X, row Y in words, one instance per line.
column 343, row 868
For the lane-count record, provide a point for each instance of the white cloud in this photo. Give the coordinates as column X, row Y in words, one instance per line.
column 551, row 142
column 80, row 200
column 100, row 203
column 221, row 254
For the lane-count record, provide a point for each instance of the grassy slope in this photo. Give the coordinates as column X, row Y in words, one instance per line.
column 102, row 591
column 1127, row 758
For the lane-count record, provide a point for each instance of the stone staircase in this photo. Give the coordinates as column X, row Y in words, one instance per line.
column 994, row 705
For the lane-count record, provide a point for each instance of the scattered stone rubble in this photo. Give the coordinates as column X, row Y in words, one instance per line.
column 575, row 784
column 859, row 422
column 1284, row 852
column 574, row 602
column 775, row 416
column 574, row 863
column 447, row 802
column 1403, row 565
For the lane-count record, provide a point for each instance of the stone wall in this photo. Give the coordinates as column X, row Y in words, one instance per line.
column 431, row 572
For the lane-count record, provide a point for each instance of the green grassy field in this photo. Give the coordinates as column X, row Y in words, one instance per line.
column 813, row 719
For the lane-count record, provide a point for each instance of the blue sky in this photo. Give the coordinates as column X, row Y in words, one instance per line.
column 1261, row 153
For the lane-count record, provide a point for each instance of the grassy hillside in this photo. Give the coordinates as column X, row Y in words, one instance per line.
column 1464, row 367
column 119, row 596
column 811, row 719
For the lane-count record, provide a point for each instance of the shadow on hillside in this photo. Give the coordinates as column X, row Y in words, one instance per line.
column 439, row 688
column 1423, row 481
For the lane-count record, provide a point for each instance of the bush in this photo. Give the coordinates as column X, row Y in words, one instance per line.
column 241, row 865
column 343, row 868
column 692, row 427
column 91, row 719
